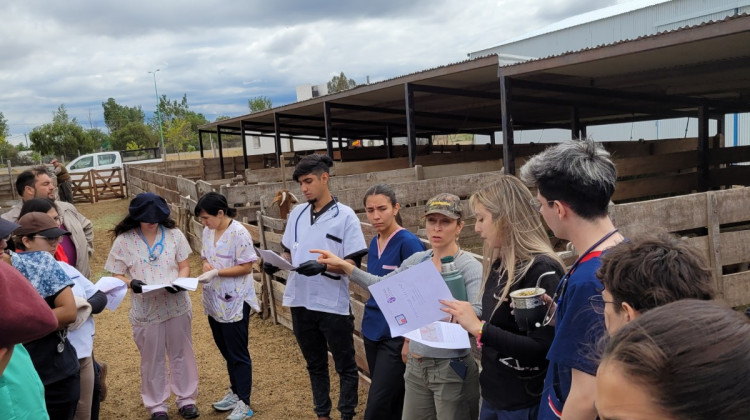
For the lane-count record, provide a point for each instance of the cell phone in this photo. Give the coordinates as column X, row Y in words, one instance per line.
column 459, row 367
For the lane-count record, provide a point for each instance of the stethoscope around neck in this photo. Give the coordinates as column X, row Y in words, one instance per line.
column 296, row 222
column 152, row 255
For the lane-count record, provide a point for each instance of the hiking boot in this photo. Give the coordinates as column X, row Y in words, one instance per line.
column 241, row 412
column 227, row 403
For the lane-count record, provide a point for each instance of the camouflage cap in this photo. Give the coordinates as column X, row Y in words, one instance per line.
column 445, row 204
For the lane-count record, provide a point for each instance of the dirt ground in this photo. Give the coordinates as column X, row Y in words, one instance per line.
column 281, row 387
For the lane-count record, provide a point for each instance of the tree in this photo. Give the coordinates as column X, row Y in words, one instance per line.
column 178, row 134
column 174, row 110
column 340, row 83
column 259, row 103
column 117, row 116
column 4, row 131
column 62, row 137
column 134, row 133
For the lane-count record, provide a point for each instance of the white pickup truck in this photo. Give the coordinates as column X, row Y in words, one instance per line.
column 110, row 160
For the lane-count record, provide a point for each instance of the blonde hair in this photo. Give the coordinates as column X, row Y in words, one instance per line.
column 522, row 235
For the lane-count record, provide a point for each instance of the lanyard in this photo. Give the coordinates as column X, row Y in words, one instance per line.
column 560, row 291
column 152, row 256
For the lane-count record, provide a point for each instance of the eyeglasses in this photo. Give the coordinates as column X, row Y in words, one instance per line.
column 49, row 240
column 537, row 205
column 598, row 303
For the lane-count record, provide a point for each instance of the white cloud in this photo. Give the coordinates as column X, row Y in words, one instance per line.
column 222, row 53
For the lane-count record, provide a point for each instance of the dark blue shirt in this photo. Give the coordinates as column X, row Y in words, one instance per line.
column 400, row 247
column 577, row 330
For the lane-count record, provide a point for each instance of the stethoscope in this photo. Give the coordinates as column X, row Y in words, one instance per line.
column 152, row 255
column 560, row 291
column 296, row 222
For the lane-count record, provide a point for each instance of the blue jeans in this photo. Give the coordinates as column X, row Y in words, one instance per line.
column 316, row 333
column 487, row 412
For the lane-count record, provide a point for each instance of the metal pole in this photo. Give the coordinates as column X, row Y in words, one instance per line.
column 158, row 116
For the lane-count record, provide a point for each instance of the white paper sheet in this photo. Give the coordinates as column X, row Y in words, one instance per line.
column 275, row 259
column 188, row 283
column 114, row 288
column 443, row 335
column 410, row 299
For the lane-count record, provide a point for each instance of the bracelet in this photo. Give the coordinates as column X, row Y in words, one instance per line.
column 479, row 336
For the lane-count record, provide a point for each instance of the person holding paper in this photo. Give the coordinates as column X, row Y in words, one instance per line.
column 318, row 295
column 82, row 336
column 516, row 247
column 149, row 249
column 53, row 355
column 439, row 383
column 228, row 296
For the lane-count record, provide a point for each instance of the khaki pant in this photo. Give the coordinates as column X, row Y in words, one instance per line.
column 435, row 391
column 83, row 411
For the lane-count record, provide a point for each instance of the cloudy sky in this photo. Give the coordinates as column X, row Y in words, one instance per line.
column 223, row 52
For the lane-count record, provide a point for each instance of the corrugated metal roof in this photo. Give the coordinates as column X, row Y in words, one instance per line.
column 625, row 41
column 585, row 18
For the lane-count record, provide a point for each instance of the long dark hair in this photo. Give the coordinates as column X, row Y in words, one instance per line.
column 387, row 191
column 128, row 223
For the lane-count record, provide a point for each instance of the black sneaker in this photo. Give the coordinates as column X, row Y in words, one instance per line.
column 159, row 415
column 189, row 411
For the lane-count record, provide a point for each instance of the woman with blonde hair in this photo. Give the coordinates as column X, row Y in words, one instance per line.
column 517, row 255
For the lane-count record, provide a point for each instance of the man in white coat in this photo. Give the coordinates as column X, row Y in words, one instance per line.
column 319, row 297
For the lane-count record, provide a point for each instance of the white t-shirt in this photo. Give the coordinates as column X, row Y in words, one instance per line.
column 337, row 230
column 223, row 297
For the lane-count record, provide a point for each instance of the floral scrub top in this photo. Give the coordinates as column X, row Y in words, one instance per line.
column 224, row 297
column 130, row 256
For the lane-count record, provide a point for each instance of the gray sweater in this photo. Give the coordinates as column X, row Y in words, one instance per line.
column 467, row 265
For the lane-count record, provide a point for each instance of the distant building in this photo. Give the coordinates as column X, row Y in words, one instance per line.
column 617, row 23
column 305, row 92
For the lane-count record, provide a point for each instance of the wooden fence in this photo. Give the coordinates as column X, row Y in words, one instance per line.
column 717, row 222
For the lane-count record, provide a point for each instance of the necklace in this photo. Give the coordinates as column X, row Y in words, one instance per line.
column 152, row 255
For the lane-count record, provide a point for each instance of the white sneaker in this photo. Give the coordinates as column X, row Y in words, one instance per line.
column 240, row 412
column 228, row 402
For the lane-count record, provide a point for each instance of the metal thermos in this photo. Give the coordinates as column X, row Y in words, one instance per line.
column 453, row 278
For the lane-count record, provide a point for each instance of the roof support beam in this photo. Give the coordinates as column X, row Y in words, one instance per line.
column 277, row 138
column 677, row 101
column 328, row 128
column 509, row 156
column 454, row 92
column 411, row 128
column 221, row 150
column 244, row 145
column 703, row 148
column 200, row 141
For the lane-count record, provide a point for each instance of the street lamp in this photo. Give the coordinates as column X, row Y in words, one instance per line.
column 158, row 116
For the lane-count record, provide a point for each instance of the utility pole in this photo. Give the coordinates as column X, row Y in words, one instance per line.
column 158, row 116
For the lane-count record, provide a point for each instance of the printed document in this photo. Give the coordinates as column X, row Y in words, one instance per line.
column 187, row 283
column 275, row 259
column 410, row 299
column 114, row 288
column 442, row 335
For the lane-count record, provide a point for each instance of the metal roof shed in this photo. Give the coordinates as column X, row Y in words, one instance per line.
column 702, row 71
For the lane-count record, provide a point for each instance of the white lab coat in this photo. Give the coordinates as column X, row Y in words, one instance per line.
column 337, row 230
